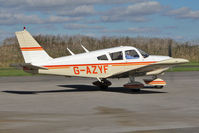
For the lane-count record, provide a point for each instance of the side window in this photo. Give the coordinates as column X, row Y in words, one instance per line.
column 131, row 54
column 102, row 57
column 116, row 55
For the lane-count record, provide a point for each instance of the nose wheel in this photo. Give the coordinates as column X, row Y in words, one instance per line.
column 102, row 83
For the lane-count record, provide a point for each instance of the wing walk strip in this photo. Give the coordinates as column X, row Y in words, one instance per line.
column 31, row 48
column 113, row 64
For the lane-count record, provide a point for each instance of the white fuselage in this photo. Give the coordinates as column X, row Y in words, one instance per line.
column 87, row 64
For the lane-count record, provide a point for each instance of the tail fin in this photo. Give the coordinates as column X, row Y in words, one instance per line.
column 32, row 52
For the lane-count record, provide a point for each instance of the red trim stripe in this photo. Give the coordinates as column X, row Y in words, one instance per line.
column 113, row 64
column 31, row 48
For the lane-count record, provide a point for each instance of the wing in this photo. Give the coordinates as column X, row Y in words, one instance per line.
column 152, row 69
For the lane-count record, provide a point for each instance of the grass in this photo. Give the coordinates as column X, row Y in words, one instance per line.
column 13, row 72
column 181, row 69
column 192, row 64
column 18, row 72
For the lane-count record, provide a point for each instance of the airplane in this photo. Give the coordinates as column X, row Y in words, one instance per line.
column 116, row 62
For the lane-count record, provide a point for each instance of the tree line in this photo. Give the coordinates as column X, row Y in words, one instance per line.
column 56, row 46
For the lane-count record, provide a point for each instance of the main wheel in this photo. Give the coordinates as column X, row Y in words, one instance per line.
column 103, row 87
column 136, row 90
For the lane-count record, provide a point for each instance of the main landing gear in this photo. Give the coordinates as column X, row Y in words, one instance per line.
column 102, row 83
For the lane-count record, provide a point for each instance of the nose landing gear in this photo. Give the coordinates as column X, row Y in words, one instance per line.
column 134, row 85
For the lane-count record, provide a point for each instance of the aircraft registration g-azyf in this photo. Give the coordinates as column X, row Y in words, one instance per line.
column 117, row 62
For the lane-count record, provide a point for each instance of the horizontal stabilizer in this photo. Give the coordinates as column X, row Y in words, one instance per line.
column 28, row 65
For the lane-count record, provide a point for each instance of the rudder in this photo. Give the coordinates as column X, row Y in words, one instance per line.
column 32, row 52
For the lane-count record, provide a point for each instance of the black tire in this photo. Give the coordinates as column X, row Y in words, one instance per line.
column 159, row 87
column 103, row 87
column 136, row 90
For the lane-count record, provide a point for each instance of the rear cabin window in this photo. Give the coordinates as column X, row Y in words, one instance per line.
column 116, row 55
column 131, row 54
column 102, row 57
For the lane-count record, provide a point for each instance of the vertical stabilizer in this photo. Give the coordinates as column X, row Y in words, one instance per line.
column 32, row 52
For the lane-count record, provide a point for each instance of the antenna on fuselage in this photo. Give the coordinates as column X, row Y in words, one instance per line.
column 86, row 50
column 70, row 51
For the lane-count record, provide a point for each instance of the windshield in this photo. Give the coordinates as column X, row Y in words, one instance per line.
column 131, row 54
column 144, row 54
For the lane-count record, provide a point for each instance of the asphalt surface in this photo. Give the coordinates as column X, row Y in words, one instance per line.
column 53, row 104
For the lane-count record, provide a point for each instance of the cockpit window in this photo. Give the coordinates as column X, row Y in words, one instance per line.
column 102, row 57
column 144, row 54
column 116, row 55
column 131, row 54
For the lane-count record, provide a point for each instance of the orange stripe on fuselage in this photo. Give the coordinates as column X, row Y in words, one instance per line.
column 57, row 67
column 132, row 63
column 113, row 64
column 31, row 48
